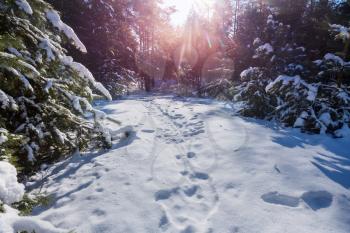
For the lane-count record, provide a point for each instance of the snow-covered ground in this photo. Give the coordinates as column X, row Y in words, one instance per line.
column 191, row 165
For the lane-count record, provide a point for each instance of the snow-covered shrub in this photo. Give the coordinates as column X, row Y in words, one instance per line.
column 252, row 93
column 219, row 89
column 295, row 98
column 44, row 94
column 315, row 107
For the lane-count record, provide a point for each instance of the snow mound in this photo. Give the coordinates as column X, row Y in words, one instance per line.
column 56, row 21
column 10, row 222
column 10, row 190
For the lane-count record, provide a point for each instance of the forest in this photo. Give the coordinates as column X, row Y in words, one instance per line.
column 177, row 116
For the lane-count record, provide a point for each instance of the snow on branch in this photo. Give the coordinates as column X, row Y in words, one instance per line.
column 56, row 21
column 24, row 5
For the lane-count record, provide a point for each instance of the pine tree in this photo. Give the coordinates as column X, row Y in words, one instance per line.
column 44, row 94
column 106, row 28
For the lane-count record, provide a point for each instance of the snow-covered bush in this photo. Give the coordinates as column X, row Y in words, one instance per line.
column 219, row 89
column 44, row 94
column 295, row 98
column 252, row 93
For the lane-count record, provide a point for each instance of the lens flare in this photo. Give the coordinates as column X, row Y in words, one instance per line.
column 184, row 7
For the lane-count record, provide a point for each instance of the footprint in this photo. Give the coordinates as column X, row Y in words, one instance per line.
column 191, row 190
column 191, row 155
column 99, row 190
column 280, row 199
column 200, row 175
column 317, row 199
column 184, row 173
column 163, row 222
column 164, row 194
column 189, row 229
column 99, row 212
column 148, row 131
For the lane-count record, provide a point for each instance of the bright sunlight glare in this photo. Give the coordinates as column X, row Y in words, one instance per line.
column 184, row 7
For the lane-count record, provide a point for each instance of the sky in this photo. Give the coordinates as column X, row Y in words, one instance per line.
column 183, row 8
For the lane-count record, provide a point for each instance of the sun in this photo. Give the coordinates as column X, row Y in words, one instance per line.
column 184, row 7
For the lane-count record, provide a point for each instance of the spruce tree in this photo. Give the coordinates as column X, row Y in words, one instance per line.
column 44, row 94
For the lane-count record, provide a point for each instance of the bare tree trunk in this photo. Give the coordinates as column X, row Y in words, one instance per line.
column 235, row 27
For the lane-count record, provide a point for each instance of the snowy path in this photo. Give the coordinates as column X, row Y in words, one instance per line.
column 191, row 166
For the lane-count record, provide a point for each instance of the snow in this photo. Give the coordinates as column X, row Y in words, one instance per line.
column 344, row 96
column 301, row 48
column 11, row 222
column 257, row 41
column 270, row 20
column 30, row 153
column 61, row 136
column 326, row 118
column 29, row 66
column 344, row 32
column 318, row 62
column 7, row 101
column 246, row 74
column 26, row 83
column 334, row 58
column 300, row 121
column 24, row 5
column 56, row 21
column 265, row 49
column 343, row 132
column 49, row 48
column 3, row 139
column 192, row 165
column 7, row 55
column 10, row 190
column 4, row 100
column 295, row 81
column 48, row 86
column 14, row 51
column 84, row 72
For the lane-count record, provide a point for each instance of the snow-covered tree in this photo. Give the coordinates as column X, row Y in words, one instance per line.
column 44, row 94
column 274, row 54
column 286, row 86
column 106, row 28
